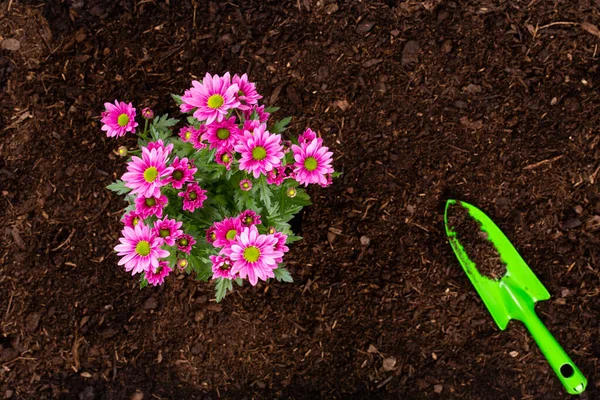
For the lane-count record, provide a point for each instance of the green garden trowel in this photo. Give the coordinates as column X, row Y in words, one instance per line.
column 514, row 295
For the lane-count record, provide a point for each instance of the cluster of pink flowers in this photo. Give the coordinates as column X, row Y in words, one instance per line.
column 230, row 128
column 243, row 251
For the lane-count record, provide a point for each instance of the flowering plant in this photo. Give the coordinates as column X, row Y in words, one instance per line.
column 216, row 197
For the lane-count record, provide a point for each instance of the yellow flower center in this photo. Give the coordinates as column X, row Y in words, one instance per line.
column 291, row 192
column 183, row 242
column 150, row 201
column 310, row 163
column 123, row 120
column 251, row 254
column 150, row 174
column 142, row 248
column 135, row 221
column 225, row 266
column 164, row 233
column 231, row 234
column 193, row 196
column 188, row 135
column 259, row 153
column 215, row 101
column 249, row 220
column 225, row 158
column 223, row 133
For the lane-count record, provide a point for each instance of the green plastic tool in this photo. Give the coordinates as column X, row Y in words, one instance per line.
column 514, row 295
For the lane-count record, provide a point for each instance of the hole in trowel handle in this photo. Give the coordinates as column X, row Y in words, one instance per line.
column 567, row 370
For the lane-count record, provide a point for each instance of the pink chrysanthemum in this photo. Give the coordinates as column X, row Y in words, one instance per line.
column 246, row 185
column 226, row 231
column 260, row 151
column 183, row 172
column 197, row 138
column 221, row 267
column 250, row 125
column 131, row 219
column 289, row 172
column 118, row 119
column 276, row 176
column 249, row 218
column 224, row 157
column 168, row 230
column 183, row 107
column 193, row 197
column 139, row 249
column 260, row 113
column 253, row 255
column 185, row 243
column 329, row 180
column 186, row 133
column 287, row 146
column 211, row 234
column 280, row 245
column 307, row 136
column 159, row 144
column 147, row 206
column 222, row 135
column 147, row 174
column 313, row 162
column 156, row 276
column 247, row 94
column 212, row 98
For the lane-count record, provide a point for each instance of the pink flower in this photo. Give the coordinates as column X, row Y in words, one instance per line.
column 221, row 267
column 211, row 234
column 226, row 231
column 276, row 176
column 247, row 94
column 183, row 107
column 160, row 145
column 212, row 98
column 147, row 174
column 329, row 179
column 168, row 230
column 131, row 219
column 287, row 146
column 118, row 119
column 260, row 151
column 147, row 206
column 261, row 114
column 253, row 255
column 280, row 245
column 224, row 157
column 193, row 197
column 313, row 162
column 249, row 218
column 183, row 172
column 186, row 133
column 139, row 249
column 246, row 185
column 156, row 276
column 308, row 136
column 197, row 137
column 222, row 135
column 250, row 125
column 147, row 113
column 185, row 243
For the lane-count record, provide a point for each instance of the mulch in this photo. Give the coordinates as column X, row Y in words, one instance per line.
column 491, row 102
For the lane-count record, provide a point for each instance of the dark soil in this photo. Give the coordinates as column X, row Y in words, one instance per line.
column 476, row 242
column 493, row 102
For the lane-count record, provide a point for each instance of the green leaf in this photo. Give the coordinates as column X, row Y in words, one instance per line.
column 265, row 193
column 281, row 125
column 271, row 110
column 336, row 174
column 222, row 285
column 283, row 275
column 293, row 238
column 177, row 99
column 239, row 281
column 163, row 122
column 202, row 267
column 143, row 282
column 119, row 187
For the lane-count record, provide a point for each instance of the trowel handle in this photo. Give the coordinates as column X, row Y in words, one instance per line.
column 566, row 370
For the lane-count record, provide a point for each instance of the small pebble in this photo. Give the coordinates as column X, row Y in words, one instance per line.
column 438, row 388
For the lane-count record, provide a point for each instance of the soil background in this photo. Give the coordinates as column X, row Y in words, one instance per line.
column 492, row 102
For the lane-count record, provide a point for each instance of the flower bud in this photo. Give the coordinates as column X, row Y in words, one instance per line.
column 291, row 192
column 147, row 113
column 122, row 151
